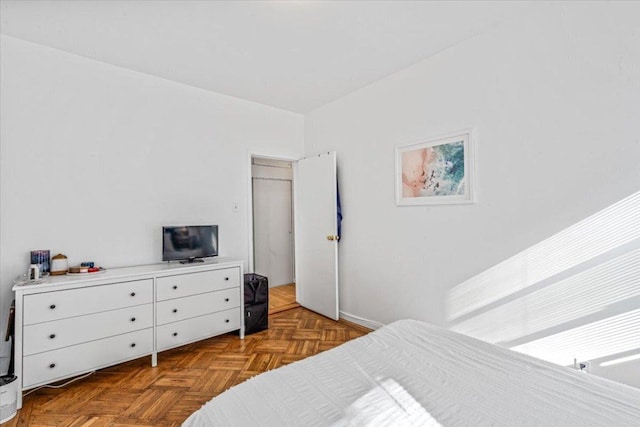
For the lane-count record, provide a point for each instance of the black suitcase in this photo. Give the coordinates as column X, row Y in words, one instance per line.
column 256, row 318
column 256, row 303
column 256, row 289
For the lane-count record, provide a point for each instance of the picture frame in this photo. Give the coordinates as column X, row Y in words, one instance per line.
column 436, row 171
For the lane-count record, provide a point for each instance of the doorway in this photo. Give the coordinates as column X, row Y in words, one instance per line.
column 312, row 211
column 273, row 229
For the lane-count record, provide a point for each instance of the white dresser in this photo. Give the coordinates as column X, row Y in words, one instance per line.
column 71, row 325
column 196, row 305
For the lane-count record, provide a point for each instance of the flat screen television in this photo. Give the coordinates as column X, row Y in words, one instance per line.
column 189, row 243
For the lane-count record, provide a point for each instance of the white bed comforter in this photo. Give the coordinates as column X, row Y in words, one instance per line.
column 411, row 373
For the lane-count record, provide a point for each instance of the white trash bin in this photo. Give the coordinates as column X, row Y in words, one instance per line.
column 8, row 397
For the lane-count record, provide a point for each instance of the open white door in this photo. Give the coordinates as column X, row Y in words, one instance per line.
column 316, row 245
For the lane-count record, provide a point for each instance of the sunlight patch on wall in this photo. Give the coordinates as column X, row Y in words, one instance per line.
column 621, row 360
column 573, row 295
column 593, row 341
column 598, row 291
column 602, row 232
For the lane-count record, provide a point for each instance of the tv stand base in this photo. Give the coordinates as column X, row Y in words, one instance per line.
column 191, row 260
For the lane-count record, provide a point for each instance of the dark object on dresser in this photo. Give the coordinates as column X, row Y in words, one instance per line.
column 256, row 303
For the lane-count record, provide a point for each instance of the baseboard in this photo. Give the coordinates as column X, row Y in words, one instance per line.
column 284, row 307
column 371, row 324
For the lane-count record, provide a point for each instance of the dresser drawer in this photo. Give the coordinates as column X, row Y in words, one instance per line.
column 197, row 283
column 52, row 365
column 178, row 333
column 197, row 305
column 49, row 306
column 76, row 330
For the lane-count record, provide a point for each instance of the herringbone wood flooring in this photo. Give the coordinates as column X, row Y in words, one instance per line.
column 135, row 394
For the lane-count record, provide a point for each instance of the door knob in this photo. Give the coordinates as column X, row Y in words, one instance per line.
column 332, row 237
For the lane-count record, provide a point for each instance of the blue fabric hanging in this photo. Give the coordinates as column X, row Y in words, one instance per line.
column 339, row 212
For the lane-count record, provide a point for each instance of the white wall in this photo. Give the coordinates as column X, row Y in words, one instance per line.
column 554, row 99
column 96, row 158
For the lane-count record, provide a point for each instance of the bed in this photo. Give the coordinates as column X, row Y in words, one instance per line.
column 413, row 373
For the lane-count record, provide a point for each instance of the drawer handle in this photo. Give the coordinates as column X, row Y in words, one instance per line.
column 52, row 336
column 133, row 344
column 53, row 365
column 175, row 286
column 226, row 321
column 133, row 319
column 52, row 306
column 175, row 310
column 226, row 299
column 133, row 294
column 175, row 334
column 226, row 278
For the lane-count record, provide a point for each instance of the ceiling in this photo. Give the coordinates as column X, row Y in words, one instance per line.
column 292, row 55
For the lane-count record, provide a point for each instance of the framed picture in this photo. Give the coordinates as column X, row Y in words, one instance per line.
column 436, row 171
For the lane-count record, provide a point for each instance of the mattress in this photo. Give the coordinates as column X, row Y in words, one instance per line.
column 413, row 373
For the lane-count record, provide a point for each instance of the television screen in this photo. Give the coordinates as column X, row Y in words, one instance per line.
column 189, row 242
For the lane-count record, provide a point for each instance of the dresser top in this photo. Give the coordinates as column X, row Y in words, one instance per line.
column 126, row 273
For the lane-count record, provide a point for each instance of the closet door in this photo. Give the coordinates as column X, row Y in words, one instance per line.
column 273, row 228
